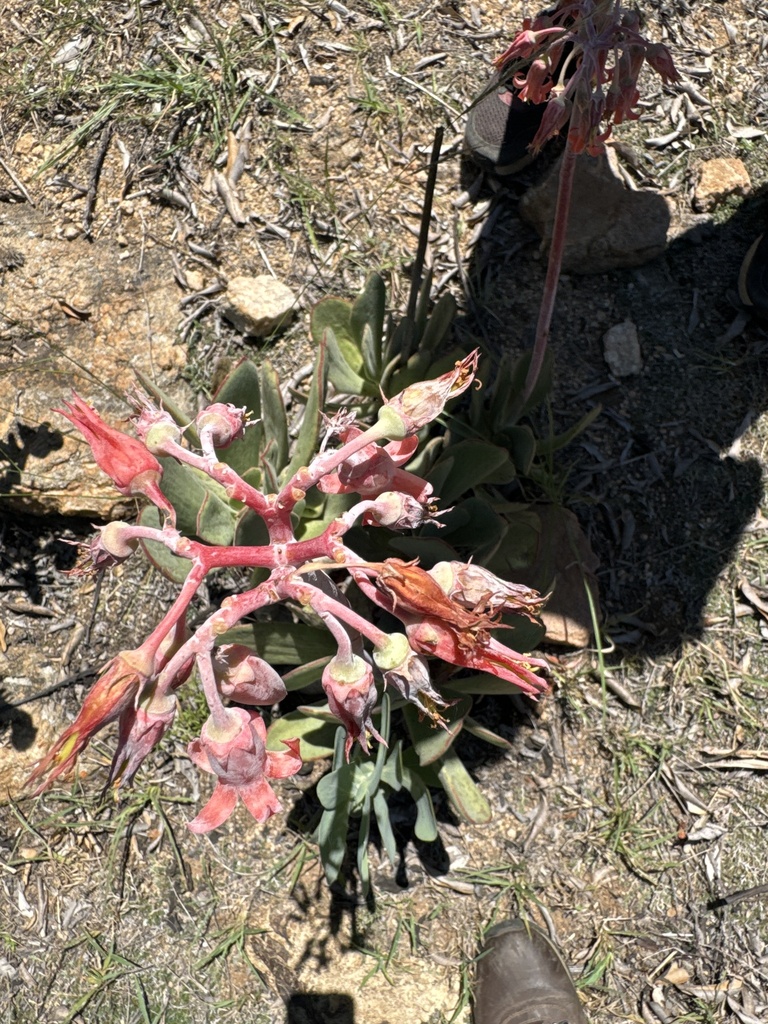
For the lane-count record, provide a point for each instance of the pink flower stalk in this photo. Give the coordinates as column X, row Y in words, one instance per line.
column 376, row 468
column 351, row 692
column 245, row 677
column 242, row 765
column 477, row 651
column 578, row 48
column 132, row 468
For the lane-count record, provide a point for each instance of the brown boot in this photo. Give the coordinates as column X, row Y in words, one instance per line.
column 521, row 979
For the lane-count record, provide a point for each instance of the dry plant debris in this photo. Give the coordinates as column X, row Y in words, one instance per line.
column 630, row 811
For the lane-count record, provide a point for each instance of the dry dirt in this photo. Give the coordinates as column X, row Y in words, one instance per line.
column 633, row 800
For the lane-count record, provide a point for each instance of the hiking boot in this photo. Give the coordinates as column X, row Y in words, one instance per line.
column 500, row 128
column 753, row 277
column 521, row 979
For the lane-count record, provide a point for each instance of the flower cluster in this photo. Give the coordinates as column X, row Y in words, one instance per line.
column 450, row 612
column 582, row 58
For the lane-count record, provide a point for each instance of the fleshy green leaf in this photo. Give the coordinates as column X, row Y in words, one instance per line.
column 439, row 322
column 273, row 417
column 282, row 643
column 191, row 492
column 468, row 464
column 309, row 434
column 466, row 799
column 381, row 810
column 366, row 323
column 430, row 741
column 343, row 377
column 553, row 444
column 315, row 735
column 170, row 565
column 305, row 675
column 488, row 735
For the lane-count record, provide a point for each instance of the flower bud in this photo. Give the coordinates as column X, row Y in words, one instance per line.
column 245, row 677
column 111, row 546
column 398, row 511
column 221, row 423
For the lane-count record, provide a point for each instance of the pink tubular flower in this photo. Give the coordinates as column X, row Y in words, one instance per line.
column 421, row 403
column 141, row 729
column 113, row 693
column 242, row 765
column 245, row 677
column 526, row 43
column 479, row 651
column 536, row 85
column 351, row 693
column 481, row 590
column 131, row 466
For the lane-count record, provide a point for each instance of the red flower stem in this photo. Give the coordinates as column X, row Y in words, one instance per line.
column 340, row 635
column 306, row 477
column 554, row 265
column 176, row 613
column 211, row 691
column 300, row 590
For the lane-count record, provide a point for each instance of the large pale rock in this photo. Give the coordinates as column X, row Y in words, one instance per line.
column 73, row 315
column 258, row 305
column 610, row 226
column 718, row 179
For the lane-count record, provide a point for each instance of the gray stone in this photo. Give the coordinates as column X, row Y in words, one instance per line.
column 610, row 226
column 258, row 305
column 621, row 349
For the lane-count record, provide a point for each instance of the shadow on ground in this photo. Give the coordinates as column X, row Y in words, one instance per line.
column 658, row 481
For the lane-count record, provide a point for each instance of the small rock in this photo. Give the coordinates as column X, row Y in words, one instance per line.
column 69, row 231
column 195, row 280
column 258, row 305
column 621, row 349
column 718, row 179
column 609, row 225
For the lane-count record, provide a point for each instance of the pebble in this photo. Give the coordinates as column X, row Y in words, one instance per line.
column 257, row 306
column 621, row 348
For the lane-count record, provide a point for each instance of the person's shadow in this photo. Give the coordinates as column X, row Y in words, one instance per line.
column 661, row 483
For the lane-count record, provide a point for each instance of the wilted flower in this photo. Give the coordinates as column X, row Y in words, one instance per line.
column 421, row 403
column 114, row 692
column 242, row 765
column 133, row 469
column 351, row 693
column 481, row 590
column 477, row 651
column 399, row 511
column 408, row 673
column 141, row 729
